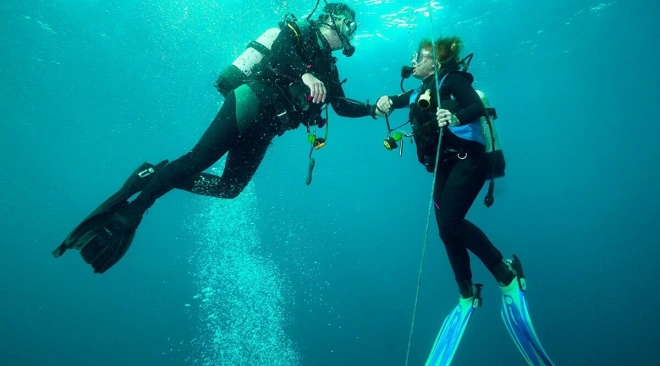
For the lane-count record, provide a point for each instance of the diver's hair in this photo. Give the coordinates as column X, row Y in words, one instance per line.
column 448, row 50
column 426, row 44
column 336, row 9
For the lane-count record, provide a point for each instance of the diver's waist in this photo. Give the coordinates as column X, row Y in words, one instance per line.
column 453, row 143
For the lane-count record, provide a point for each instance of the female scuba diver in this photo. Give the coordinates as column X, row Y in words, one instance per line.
column 462, row 169
column 281, row 81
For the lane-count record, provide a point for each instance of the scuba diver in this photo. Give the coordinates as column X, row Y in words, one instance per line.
column 282, row 80
column 462, row 160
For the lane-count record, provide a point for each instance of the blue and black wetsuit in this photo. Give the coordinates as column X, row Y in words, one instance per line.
column 462, row 170
column 248, row 119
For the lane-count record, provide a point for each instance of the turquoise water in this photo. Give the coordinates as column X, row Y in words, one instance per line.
column 289, row 274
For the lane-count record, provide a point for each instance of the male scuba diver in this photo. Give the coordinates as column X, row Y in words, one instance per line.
column 281, row 81
column 462, row 160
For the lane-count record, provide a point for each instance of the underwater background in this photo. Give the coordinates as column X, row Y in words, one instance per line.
column 326, row 274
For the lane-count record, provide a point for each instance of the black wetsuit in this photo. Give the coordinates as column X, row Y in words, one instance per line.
column 459, row 180
column 248, row 119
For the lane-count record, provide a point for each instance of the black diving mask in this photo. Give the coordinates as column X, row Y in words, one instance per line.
column 351, row 27
column 348, row 29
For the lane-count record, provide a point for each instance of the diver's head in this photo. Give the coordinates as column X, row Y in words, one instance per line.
column 422, row 60
column 448, row 51
column 337, row 24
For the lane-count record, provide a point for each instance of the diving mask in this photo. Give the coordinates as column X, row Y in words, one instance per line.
column 348, row 26
column 346, row 32
column 418, row 56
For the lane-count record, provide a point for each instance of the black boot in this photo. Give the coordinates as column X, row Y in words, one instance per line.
column 503, row 273
column 466, row 289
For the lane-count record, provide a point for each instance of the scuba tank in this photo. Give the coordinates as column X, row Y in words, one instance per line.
column 489, row 133
column 237, row 73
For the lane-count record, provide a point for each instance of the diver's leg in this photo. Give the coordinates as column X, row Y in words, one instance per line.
column 464, row 184
column 451, row 203
column 234, row 118
column 105, row 236
column 242, row 162
column 444, row 204
column 452, row 329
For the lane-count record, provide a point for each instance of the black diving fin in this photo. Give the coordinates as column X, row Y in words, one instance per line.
column 105, row 235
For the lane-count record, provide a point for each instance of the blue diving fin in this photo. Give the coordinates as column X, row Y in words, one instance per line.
column 515, row 314
column 451, row 332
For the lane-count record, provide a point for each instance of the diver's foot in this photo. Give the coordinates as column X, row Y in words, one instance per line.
column 514, row 271
column 516, row 317
column 109, row 242
column 451, row 332
column 467, row 289
column 513, row 276
column 504, row 272
column 105, row 235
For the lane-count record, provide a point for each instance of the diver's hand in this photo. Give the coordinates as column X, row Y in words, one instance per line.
column 383, row 106
column 446, row 118
column 316, row 87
